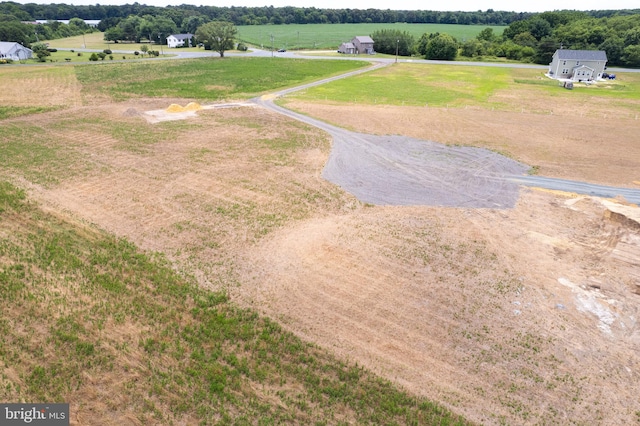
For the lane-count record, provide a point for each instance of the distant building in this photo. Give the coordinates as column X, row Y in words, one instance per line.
column 363, row 44
column 179, row 40
column 347, row 48
column 90, row 22
column 578, row 65
column 14, row 51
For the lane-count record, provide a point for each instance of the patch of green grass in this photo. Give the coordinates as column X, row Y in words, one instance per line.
column 13, row 111
column 81, row 307
column 414, row 84
column 330, row 36
column 205, row 79
column 27, row 151
column 460, row 86
column 66, row 56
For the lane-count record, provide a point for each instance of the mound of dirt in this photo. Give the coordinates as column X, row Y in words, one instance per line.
column 191, row 106
column 131, row 112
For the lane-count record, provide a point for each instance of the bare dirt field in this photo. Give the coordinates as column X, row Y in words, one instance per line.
column 525, row 315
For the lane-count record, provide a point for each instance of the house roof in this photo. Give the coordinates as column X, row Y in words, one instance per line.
column 11, row 46
column 181, row 36
column 585, row 55
column 6, row 46
column 348, row 45
column 364, row 39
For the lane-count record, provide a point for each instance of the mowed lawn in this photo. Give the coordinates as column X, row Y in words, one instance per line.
column 470, row 86
column 207, row 78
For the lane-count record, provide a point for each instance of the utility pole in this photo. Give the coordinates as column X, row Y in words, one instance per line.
column 397, row 44
column 298, row 40
column 272, row 45
column 160, row 41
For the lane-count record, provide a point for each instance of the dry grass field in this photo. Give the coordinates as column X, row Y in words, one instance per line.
column 520, row 316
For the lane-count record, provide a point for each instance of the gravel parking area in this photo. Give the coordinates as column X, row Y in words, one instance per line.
column 396, row 170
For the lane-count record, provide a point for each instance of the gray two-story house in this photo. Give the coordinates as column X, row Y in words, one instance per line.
column 578, row 65
column 363, row 44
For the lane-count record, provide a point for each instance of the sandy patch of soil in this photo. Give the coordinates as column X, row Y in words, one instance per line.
column 522, row 316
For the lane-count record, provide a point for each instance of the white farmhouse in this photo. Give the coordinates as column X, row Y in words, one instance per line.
column 14, row 51
column 179, row 40
column 578, row 65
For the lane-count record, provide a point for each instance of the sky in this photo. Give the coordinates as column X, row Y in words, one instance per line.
column 447, row 5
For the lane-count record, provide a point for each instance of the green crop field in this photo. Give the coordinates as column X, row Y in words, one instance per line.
column 330, row 36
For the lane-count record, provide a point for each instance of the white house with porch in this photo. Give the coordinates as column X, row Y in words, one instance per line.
column 179, row 40
column 578, row 65
column 14, row 51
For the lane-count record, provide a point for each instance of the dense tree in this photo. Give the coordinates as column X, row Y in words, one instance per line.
column 114, row 34
column 258, row 15
column 16, row 31
column 631, row 55
column 616, row 35
column 614, row 47
column 486, row 35
column 41, row 51
column 545, row 50
column 217, row 35
column 539, row 27
column 442, row 47
column 472, row 48
column 191, row 24
column 387, row 41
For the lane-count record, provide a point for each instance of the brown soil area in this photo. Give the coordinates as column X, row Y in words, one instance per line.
column 518, row 316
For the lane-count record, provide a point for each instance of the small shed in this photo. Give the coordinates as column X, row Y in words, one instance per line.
column 179, row 40
column 363, row 44
column 347, row 48
column 14, row 51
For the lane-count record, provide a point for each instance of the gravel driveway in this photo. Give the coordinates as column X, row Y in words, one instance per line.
column 397, row 170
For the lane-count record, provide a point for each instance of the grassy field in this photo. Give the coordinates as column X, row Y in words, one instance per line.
column 467, row 86
column 207, row 79
column 330, row 36
column 90, row 319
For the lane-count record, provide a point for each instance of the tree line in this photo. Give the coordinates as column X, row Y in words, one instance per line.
column 258, row 15
column 12, row 29
column 528, row 37
column 534, row 39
